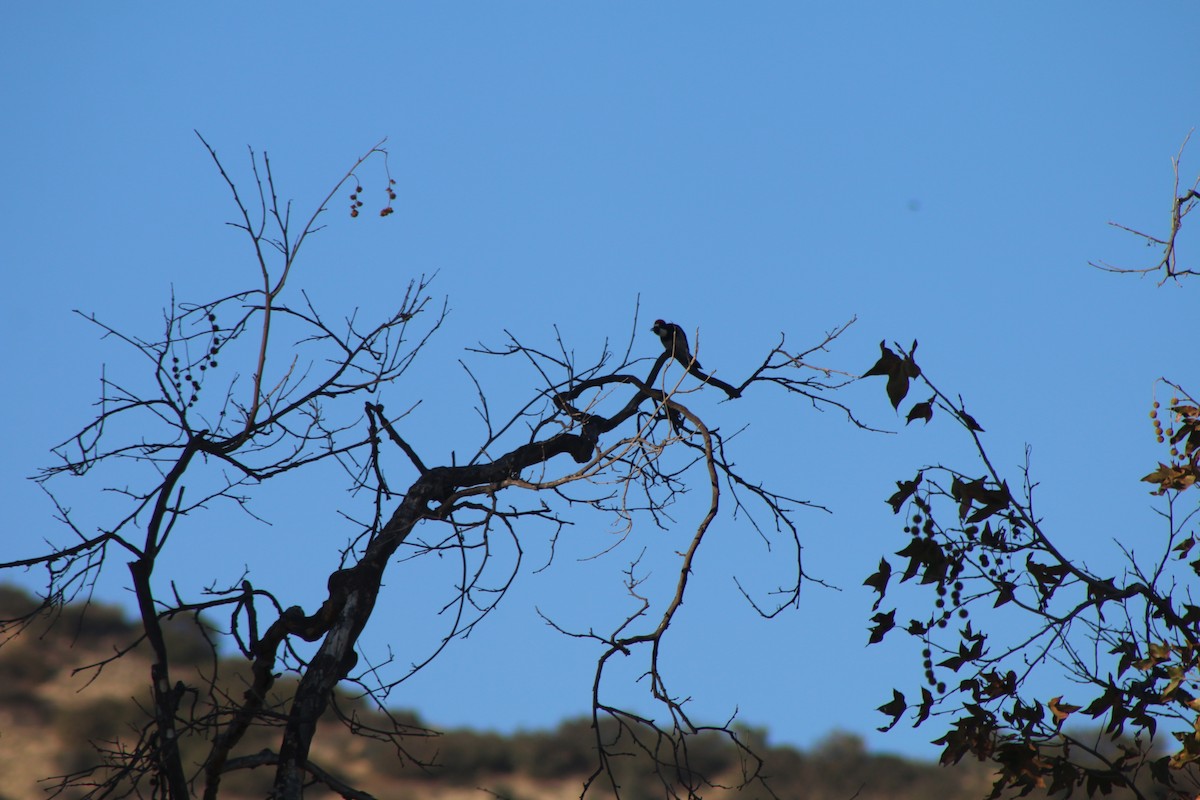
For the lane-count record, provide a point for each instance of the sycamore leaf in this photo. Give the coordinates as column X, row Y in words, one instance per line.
column 898, row 371
column 897, row 386
column 991, row 500
column 1184, row 547
column 956, row 492
column 1112, row 698
column 883, row 624
column 999, row 685
column 994, row 539
column 1160, row 475
column 905, row 491
column 965, row 655
column 1061, row 710
column 1173, row 477
column 910, row 365
column 921, row 411
column 887, row 363
column 983, row 513
column 925, row 708
column 1005, row 592
column 879, row 581
column 924, row 556
column 894, row 709
column 1128, row 652
column 1188, row 427
column 1176, row 674
column 1048, row 576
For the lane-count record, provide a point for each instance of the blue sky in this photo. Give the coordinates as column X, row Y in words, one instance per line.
column 941, row 171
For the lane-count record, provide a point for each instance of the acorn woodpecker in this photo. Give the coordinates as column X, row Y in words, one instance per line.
column 675, row 342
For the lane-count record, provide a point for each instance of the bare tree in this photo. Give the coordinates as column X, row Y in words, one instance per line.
column 1128, row 644
column 619, row 437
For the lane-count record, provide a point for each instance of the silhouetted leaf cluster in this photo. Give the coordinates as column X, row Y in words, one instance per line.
column 979, row 546
column 1183, row 470
column 899, row 370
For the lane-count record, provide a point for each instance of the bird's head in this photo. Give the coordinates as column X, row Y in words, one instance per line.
column 659, row 323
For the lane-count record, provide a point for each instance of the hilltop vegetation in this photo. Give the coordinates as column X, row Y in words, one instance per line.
column 59, row 702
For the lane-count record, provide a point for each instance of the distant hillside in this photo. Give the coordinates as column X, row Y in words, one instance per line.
column 51, row 716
